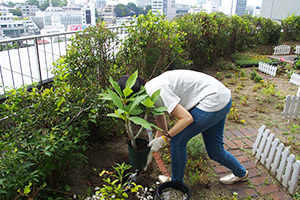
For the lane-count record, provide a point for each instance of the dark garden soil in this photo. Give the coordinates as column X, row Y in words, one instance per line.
column 253, row 110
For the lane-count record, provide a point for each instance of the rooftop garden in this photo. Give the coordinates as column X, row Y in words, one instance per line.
column 46, row 131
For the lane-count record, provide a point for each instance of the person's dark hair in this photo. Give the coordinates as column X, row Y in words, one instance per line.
column 136, row 87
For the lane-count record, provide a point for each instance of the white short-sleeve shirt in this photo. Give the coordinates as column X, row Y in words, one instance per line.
column 189, row 89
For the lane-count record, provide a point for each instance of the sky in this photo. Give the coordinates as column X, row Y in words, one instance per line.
column 125, row 2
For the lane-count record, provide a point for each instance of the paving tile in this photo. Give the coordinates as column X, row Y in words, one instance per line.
column 260, row 180
column 248, row 144
column 238, row 134
column 246, row 193
column 242, row 159
column 249, row 165
column 253, row 131
column 280, row 196
column 231, row 145
column 160, row 164
column 214, row 163
column 254, row 172
column 247, row 133
column 238, row 143
column 237, row 186
column 236, row 152
column 222, row 170
column 267, row 189
column 229, row 134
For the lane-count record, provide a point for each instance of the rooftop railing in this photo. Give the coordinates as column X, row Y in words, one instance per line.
column 30, row 60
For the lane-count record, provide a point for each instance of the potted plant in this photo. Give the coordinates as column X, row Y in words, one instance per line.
column 133, row 108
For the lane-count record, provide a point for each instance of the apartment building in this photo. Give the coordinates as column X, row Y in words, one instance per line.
column 27, row 10
column 279, row 9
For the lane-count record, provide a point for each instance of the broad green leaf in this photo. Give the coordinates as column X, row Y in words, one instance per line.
column 140, row 121
column 137, row 101
column 113, row 115
column 2, row 191
column 25, row 165
column 148, row 103
column 161, row 109
column 115, row 85
column 116, row 99
column 127, row 92
column 105, row 96
column 155, row 95
column 131, row 80
column 136, row 111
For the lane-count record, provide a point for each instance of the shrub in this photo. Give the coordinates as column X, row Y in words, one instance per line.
column 152, row 45
column 291, row 28
column 41, row 137
column 85, row 68
column 204, row 33
column 266, row 30
column 196, row 147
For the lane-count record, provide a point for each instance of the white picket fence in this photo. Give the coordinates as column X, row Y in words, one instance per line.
column 277, row 159
column 291, row 107
column 266, row 68
column 282, row 49
column 297, row 49
column 295, row 79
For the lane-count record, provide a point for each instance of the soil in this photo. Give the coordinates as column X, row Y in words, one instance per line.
column 253, row 109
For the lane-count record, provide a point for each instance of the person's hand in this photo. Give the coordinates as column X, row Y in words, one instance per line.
column 155, row 145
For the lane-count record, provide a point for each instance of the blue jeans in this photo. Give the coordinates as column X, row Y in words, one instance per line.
column 211, row 125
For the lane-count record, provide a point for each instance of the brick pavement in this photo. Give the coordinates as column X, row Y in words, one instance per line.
column 260, row 183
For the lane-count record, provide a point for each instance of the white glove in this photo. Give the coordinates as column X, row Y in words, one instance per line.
column 155, row 145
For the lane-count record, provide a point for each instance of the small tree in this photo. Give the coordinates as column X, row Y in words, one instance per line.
column 129, row 106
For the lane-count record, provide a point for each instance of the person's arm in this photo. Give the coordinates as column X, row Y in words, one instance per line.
column 161, row 122
column 184, row 119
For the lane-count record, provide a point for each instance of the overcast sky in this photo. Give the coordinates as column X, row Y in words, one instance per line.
column 192, row 2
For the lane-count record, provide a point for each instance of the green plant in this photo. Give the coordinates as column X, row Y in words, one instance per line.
column 129, row 106
column 253, row 74
column 84, row 69
column 296, row 64
column 153, row 44
column 233, row 115
column 196, row 147
column 114, row 186
column 257, row 78
column 41, row 137
column 293, row 129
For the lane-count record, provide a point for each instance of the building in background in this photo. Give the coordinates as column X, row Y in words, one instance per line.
column 143, row 3
column 234, row 7
column 88, row 14
column 182, row 9
column 279, row 9
column 171, row 9
column 253, row 10
column 159, row 6
column 212, row 5
column 27, row 10
column 200, row 2
column 100, row 4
